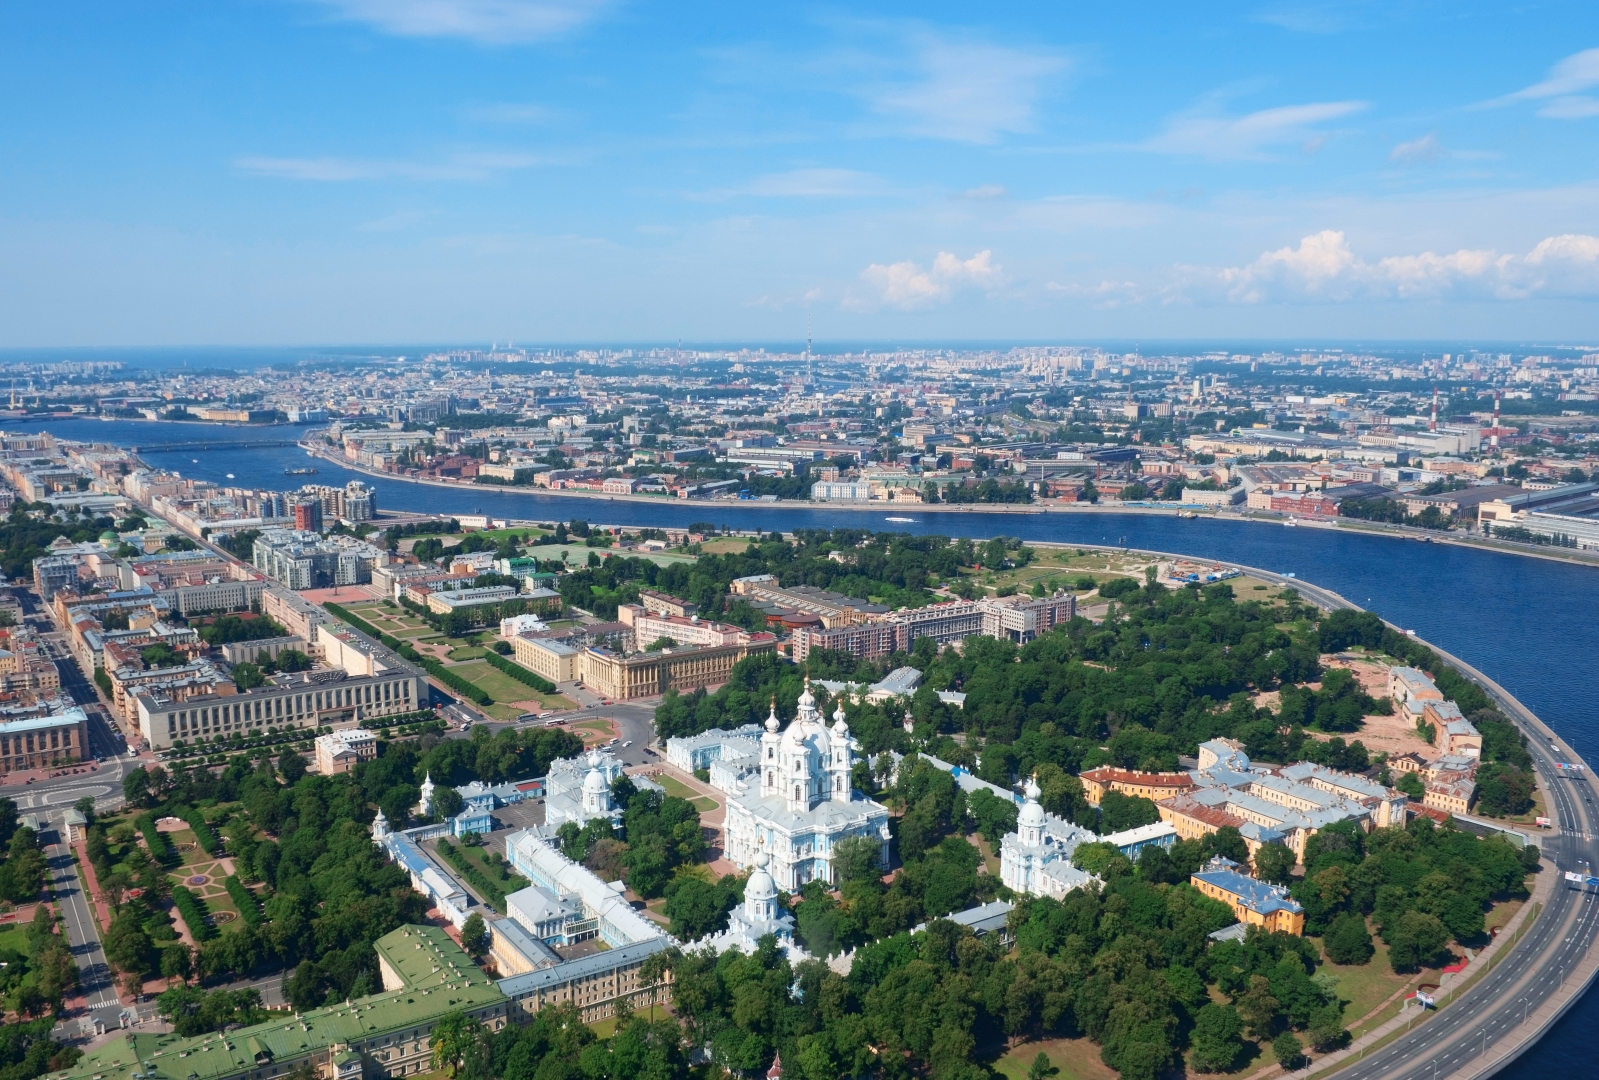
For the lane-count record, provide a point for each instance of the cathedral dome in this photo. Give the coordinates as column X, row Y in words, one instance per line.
column 1032, row 815
column 760, row 886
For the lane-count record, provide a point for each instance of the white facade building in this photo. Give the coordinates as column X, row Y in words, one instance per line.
column 731, row 757
column 1037, row 858
column 579, row 789
column 759, row 915
column 805, row 803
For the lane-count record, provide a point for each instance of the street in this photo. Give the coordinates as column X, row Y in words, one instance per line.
column 1463, row 1037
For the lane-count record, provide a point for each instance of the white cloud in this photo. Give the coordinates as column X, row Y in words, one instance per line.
column 488, row 22
column 907, row 286
column 1571, row 107
column 985, row 191
column 1324, row 267
column 963, row 90
column 803, row 184
column 1106, row 296
column 1562, row 88
column 1234, row 137
column 465, row 166
column 1418, row 151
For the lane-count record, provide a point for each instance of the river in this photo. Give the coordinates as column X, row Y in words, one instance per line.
column 1527, row 623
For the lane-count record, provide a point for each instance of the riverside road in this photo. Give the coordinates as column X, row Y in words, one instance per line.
column 1463, row 1035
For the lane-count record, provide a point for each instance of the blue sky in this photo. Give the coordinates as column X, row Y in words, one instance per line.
column 330, row 171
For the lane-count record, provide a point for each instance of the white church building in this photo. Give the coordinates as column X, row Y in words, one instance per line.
column 1037, row 858
column 758, row 916
column 805, row 803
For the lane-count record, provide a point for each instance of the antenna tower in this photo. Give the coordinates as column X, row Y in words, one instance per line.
column 1433, row 424
column 808, row 380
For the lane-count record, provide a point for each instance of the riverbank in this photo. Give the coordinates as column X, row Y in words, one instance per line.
column 667, row 500
column 1343, row 525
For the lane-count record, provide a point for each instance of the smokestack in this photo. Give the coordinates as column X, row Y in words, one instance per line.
column 1493, row 440
column 1433, row 426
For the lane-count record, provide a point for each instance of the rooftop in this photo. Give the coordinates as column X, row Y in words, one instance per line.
column 438, row 976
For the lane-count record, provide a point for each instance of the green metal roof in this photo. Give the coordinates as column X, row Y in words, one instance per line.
column 438, row 978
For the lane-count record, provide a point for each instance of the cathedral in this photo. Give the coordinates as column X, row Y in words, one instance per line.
column 805, row 803
column 1037, row 858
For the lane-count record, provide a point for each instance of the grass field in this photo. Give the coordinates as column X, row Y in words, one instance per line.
column 504, row 689
column 1366, row 986
column 15, row 938
column 674, row 786
column 1072, row 1059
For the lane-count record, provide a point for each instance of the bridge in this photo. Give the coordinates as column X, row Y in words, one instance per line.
column 162, row 448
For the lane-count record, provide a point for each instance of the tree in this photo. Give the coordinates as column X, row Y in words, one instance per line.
column 136, row 787
column 1410, row 783
column 85, row 806
column 177, row 962
column 291, row 766
column 857, row 858
column 698, row 908
column 1258, row 1007
column 453, row 1038
column 247, row 676
column 1274, row 863
column 475, row 936
column 1288, row 1051
column 1347, row 940
column 1040, row 1068
column 1217, row 1038
column 1417, row 939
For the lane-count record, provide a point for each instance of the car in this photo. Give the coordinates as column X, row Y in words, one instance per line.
column 627, row 744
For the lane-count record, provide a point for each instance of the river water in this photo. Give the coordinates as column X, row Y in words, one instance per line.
column 1526, row 623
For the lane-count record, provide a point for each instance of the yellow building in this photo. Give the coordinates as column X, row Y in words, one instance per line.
column 1255, row 903
column 621, row 678
column 1155, row 786
column 553, row 660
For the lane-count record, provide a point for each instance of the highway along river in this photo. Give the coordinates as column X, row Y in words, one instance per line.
column 1527, row 623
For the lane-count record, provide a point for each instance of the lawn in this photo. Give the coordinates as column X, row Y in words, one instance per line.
column 504, row 689
column 15, row 938
column 1367, row 986
column 1073, row 1059
column 674, row 786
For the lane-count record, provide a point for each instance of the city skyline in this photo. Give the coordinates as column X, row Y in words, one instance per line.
column 432, row 170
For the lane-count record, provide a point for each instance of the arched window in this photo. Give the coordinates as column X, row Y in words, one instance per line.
column 796, row 793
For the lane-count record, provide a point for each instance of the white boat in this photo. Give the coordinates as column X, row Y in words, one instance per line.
column 902, row 520
column 230, row 476
column 1290, row 523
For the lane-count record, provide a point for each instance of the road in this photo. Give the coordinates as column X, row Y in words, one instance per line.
column 1467, row 1029
column 82, row 934
column 635, row 725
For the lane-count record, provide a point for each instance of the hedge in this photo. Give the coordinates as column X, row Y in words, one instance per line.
column 520, row 673
column 491, row 890
column 203, row 833
column 470, row 691
column 160, row 847
column 243, row 899
column 433, row 667
column 193, row 912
